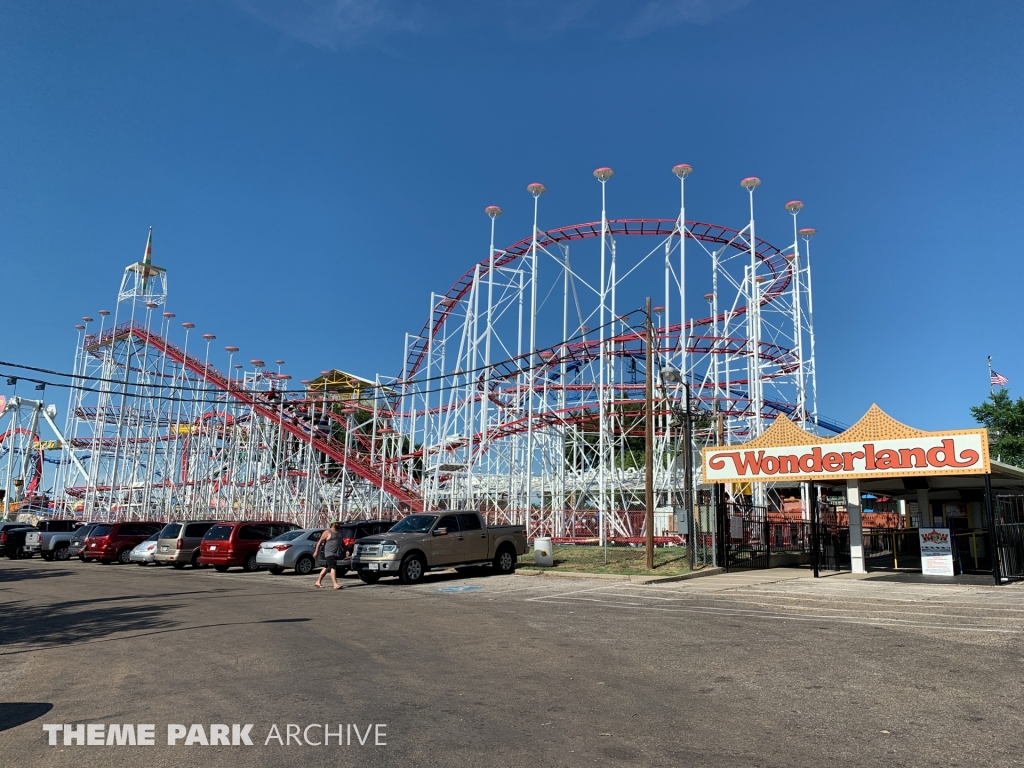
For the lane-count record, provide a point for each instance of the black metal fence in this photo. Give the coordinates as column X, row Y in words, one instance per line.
column 740, row 536
column 1008, row 529
column 892, row 549
column 756, row 537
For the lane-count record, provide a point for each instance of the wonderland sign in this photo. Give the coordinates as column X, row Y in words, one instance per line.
column 876, row 446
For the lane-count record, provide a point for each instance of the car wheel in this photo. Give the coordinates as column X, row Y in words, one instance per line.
column 124, row 556
column 221, row 568
column 195, row 561
column 47, row 556
column 12, row 555
column 62, row 554
column 412, row 569
column 249, row 564
column 179, row 566
column 369, row 578
column 304, row 565
column 505, row 561
column 277, row 570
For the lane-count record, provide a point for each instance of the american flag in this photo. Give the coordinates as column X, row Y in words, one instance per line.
column 998, row 380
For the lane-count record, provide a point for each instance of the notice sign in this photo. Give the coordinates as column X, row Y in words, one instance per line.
column 936, row 552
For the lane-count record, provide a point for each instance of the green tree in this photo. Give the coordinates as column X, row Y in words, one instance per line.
column 1004, row 419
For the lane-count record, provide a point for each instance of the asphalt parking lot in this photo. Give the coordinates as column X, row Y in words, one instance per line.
column 763, row 669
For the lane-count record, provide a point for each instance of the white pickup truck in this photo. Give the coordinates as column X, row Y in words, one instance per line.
column 438, row 540
column 53, row 539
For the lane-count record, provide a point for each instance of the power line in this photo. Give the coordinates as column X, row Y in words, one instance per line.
column 220, row 393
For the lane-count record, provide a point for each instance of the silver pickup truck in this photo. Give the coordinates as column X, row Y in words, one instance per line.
column 53, row 539
column 437, row 540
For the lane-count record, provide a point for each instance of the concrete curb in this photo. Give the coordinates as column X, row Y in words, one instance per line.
column 623, row 577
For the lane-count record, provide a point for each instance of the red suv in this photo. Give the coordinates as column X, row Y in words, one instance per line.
column 108, row 542
column 228, row 544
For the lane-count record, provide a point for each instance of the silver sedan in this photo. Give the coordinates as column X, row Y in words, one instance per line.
column 143, row 553
column 293, row 549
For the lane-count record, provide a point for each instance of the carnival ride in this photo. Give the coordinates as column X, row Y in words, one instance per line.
column 24, row 453
column 521, row 396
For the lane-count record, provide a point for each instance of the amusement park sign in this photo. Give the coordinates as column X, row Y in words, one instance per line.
column 877, row 446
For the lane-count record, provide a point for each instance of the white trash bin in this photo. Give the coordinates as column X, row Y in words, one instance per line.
column 543, row 552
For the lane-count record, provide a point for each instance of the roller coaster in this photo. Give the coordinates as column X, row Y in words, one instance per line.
column 521, row 394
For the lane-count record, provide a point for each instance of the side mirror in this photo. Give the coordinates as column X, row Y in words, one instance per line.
column 440, row 531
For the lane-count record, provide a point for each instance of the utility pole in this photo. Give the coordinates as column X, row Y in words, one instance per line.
column 649, row 441
column 688, row 478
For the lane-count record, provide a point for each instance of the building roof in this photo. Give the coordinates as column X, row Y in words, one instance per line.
column 347, row 384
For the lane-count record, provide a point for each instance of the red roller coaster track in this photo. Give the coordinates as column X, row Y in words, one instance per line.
column 358, row 463
column 696, row 230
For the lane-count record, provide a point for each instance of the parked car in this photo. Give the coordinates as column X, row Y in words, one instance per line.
column 351, row 532
column 12, row 541
column 53, row 540
column 236, row 543
column 420, row 543
column 178, row 543
column 77, row 546
column 143, row 553
column 292, row 549
column 108, row 542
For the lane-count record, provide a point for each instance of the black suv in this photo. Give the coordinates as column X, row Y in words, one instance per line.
column 351, row 532
column 12, row 540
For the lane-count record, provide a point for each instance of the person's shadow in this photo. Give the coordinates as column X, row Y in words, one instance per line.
column 15, row 713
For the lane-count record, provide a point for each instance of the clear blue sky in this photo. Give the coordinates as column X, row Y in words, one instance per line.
column 314, row 168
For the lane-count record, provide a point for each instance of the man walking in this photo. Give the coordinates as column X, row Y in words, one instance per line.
column 333, row 546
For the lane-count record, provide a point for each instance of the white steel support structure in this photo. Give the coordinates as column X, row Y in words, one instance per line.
column 521, row 396
column 554, row 399
column 155, row 432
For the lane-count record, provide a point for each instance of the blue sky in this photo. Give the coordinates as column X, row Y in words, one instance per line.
column 313, row 169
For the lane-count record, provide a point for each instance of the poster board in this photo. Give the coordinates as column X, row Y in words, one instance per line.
column 936, row 551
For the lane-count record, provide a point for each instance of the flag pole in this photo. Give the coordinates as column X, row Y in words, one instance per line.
column 990, row 388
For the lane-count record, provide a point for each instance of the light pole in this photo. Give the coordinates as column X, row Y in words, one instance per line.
column 602, row 175
column 649, row 441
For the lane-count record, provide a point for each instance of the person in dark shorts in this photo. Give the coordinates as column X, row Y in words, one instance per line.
column 333, row 546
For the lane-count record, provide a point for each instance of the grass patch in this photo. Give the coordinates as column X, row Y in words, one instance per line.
column 622, row 561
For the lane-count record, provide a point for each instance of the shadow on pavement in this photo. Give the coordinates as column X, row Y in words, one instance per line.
column 16, row 573
column 439, row 577
column 43, row 626
column 964, row 579
column 15, row 713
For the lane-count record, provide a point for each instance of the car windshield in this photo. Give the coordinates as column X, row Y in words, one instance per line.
column 289, row 536
column 170, row 531
column 154, row 537
column 101, row 530
column 82, row 532
column 415, row 524
column 219, row 533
